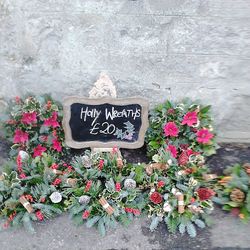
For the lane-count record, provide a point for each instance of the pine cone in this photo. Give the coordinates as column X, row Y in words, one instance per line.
column 246, row 166
column 183, row 159
column 237, row 195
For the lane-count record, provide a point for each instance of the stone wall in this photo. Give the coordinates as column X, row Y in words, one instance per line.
column 153, row 48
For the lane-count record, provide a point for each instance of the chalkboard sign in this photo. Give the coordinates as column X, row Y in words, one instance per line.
column 105, row 122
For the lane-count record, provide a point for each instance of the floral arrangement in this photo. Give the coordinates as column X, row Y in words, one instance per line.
column 35, row 126
column 32, row 190
column 178, row 195
column 102, row 189
column 110, row 193
column 182, row 129
column 233, row 191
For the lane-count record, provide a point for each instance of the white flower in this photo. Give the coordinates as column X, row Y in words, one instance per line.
column 55, row 197
column 152, row 190
column 180, row 173
column 166, row 207
column 86, row 161
column 129, row 184
column 24, row 155
column 174, row 191
column 169, row 162
column 156, row 158
column 84, row 199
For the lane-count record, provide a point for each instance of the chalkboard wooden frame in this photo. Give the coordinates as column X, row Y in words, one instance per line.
column 115, row 101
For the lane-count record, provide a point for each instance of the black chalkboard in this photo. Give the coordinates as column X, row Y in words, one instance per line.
column 105, row 122
column 114, row 121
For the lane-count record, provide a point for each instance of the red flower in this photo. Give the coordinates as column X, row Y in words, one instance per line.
column 190, row 119
column 183, row 159
column 101, row 164
column 56, row 182
column 160, row 184
column 205, row 193
column 172, row 149
column 29, row 118
column 22, row 176
column 39, row 150
column 20, row 136
column 54, row 166
column 170, row 129
column 128, row 210
column 86, row 214
column 156, row 198
column 52, row 121
column 29, row 197
column 18, row 99
column 136, row 212
column 118, row 186
column 88, row 186
column 57, row 145
column 39, row 215
column 204, row 136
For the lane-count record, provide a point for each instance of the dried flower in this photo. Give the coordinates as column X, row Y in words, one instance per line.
column 129, row 184
column 56, row 197
column 84, row 199
column 86, row 161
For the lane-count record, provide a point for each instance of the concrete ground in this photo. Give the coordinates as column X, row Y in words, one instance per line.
column 226, row 232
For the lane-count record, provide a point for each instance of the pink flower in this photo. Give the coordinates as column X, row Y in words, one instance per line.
column 29, row 118
column 170, row 129
column 57, row 145
column 22, row 175
column 172, row 149
column 20, row 136
column 86, row 214
column 52, row 121
column 204, row 136
column 190, row 118
column 39, row 150
column 101, row 164
column 118, row 186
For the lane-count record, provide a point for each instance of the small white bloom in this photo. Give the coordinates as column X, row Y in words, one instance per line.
column 174, row 191
column 180, row 173
column 84, row 199
column 24, row 155
column 152, row 190
column 169, row 162
column 156, row 158
column 130, row 184
column 166, row 207
column 55, row 197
